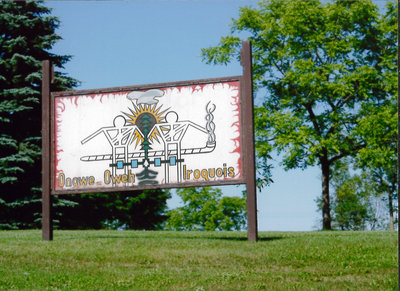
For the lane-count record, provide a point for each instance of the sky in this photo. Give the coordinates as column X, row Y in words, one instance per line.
column 124, row 43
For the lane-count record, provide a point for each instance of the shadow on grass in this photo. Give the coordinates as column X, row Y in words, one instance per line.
column 166, row 235
column 233, row 238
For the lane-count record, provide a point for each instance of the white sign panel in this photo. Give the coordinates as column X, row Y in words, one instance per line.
column 162, row 136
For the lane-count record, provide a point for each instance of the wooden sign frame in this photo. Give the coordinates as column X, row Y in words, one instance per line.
column 247, row 154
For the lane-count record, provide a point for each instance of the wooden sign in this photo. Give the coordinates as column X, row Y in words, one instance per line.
column 170, row 135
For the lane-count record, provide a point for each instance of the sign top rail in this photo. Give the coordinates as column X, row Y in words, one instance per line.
column 145, row 86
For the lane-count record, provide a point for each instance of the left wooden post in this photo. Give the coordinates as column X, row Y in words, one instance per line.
column 47, row 222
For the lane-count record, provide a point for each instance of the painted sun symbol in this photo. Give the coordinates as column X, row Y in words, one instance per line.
column 144, row 116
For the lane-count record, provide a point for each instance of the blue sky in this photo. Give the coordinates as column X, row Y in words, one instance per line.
column 122, row 43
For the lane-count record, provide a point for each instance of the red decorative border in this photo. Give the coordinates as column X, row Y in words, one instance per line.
column 234, row 82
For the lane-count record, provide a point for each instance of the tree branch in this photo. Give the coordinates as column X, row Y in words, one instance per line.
column 313, row 118
column 346, row 153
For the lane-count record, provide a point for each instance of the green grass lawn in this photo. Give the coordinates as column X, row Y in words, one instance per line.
column 143, row 260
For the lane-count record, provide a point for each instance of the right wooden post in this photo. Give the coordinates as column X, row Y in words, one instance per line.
column 248, row 151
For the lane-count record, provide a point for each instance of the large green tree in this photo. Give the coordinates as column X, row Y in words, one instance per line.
column 321, row 65
column 27, row 33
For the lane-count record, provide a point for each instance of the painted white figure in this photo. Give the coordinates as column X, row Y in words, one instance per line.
column 119, row 136
column 172, row 132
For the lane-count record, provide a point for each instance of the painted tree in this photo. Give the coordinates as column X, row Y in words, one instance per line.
column 27, row 33
column 321, row 65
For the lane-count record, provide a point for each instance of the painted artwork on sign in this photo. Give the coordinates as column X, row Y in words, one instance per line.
column 160, row 136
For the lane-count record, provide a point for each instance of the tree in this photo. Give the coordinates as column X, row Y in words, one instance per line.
column 27, row 33
column 128, row 210
column 352, row 199
column 378, row 127
column 379, row 157
column 206, row 209
column 321, row 65
column 358, row 200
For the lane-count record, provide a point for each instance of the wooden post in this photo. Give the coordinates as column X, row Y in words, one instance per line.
column 248, row 151
column 47, row 223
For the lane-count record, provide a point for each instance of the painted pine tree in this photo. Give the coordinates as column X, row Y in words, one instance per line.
column 27, row 34
column 147, row 176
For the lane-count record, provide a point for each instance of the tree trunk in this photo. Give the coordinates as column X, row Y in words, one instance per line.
column 391, row 211
column 326, row 211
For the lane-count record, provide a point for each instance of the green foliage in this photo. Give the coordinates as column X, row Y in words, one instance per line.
column 27, row 33
column 323, row 65
column 359, row 201
column 379, row 157
column 352, row 198
column 378, row 124
column 349, row 210
column 378, row 127
column 206, row 209
column 141, row 210
column 126, row 210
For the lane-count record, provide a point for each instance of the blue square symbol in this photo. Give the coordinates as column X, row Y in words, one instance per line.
column 134, row 164
column 172, row 161
column 120, row 164
column 157, row 162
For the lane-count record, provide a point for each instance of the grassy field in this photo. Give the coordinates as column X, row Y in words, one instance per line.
column 132, row 260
